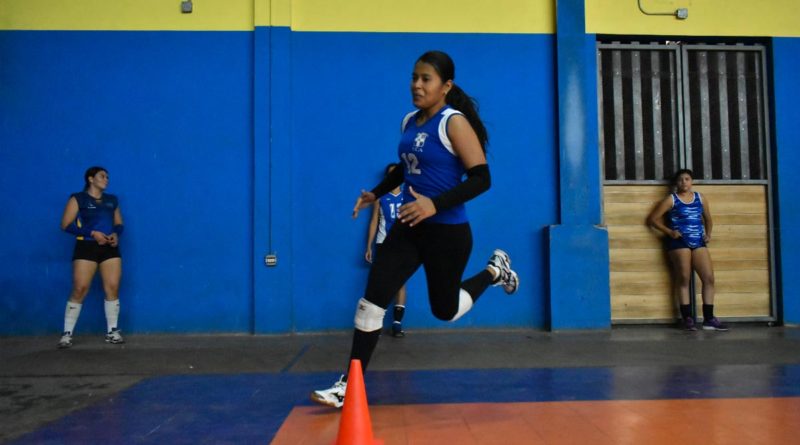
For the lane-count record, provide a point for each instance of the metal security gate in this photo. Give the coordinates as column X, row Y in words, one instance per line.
column 725, row 108
column 665, row 106
column 639, row 111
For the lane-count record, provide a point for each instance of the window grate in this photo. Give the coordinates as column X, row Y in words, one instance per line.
column 668, row 106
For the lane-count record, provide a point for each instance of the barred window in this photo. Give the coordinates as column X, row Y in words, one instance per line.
column 665, row 106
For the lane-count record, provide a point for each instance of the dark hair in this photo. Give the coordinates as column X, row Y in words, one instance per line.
column 456, row 97
column 678, row 174
column 90, row 172
column 389, row 168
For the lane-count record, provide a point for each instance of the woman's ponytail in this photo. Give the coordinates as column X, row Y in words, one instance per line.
column 461, row 101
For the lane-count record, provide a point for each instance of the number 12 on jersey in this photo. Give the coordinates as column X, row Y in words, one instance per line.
column 411, row 163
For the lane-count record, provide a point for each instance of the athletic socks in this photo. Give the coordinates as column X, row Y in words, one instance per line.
column 686, row 311
column 708, row 312
column 399, row 311
column 112, row 313
column 71, row 314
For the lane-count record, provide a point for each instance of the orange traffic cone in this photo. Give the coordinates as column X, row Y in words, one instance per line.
column 355, row 426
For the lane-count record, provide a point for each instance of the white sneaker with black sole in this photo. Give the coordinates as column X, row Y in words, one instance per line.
column 66, row 340
column 501, row 263
column 333, row 396
column 115, row 337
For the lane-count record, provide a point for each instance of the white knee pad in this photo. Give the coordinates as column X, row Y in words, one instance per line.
column 369, row 316
column 464, row 304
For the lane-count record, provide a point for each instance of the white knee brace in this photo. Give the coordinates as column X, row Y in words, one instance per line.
column 369, row 316
column 464, row 304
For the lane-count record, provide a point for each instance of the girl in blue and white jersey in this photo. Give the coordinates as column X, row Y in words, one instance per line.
column 441, row 141
column 384, row 215
column 688, row 230
column 94, row 217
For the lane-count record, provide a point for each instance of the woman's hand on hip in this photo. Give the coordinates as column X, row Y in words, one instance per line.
column 417, row 211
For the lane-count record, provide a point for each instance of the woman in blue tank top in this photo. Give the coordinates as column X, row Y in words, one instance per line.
column 688, row 230
column 440, row 142
column 93, row 216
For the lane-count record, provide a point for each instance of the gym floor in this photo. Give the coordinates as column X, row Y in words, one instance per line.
column 629, row 384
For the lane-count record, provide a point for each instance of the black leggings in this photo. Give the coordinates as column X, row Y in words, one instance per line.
column 441, row 249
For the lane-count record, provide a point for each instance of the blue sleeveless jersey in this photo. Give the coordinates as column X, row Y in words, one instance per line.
column 96, row 214
column 389, row 207
column 688, row 219
column 431, row 165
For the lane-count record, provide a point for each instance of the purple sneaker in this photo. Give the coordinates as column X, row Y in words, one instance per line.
column 688, row 324
column 714, row 325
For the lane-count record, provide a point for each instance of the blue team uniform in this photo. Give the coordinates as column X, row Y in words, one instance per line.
column 94, row 214
column 431, row 165
column 688, row 220
column 389, row 207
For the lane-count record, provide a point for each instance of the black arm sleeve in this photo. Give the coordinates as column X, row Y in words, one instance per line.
column 390, row 182
column 478, row 181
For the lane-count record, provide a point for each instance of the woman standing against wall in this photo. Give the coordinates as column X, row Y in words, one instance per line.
column 440, row 142
column 688, row 232
column 384, row 215
column 93, row 216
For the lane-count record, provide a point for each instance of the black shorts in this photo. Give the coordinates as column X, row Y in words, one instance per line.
column 377, row 251
column 91, row 251
column 680, row 243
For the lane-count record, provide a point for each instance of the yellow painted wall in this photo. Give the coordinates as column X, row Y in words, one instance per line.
column 471, row 16
column 770, row 18
column 706, row 17
column 475, row 16
column 142, row 15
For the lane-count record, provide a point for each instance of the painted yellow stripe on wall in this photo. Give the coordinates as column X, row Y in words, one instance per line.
column 472, row 16
column 444, row 16
column 706, row 17
column 211, row 15
column 773, row 18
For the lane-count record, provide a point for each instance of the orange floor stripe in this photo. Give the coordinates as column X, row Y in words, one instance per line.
column 756, row 421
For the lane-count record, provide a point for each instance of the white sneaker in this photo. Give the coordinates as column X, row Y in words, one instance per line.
column 511, row 284
column 66, row 340
column 115, row 337
column 501, row 263
column 333, row 396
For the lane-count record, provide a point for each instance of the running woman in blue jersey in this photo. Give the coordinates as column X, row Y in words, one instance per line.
column 384, row 214
column 688, row 230
column 93, row 216
column 441, row 141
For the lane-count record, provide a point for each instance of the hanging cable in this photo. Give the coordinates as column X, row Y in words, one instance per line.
column 680, row 13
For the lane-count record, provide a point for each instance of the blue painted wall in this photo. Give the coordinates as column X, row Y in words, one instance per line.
column 224, row 146
column 786, row 60
column 168, row 114
column 578, row 248
column 346, row 108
